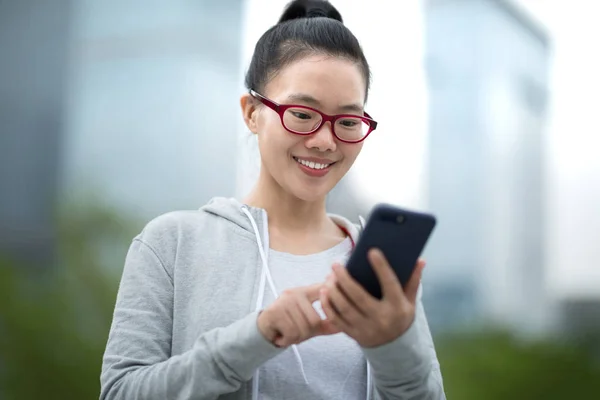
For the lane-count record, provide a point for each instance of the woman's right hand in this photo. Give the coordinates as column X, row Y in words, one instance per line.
column 291, row 318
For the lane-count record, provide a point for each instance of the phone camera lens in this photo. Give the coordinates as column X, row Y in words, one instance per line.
column 400, row 219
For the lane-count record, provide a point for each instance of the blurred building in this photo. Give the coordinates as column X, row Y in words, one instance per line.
column 152, row 103
column 33, row 69
column 487, row 65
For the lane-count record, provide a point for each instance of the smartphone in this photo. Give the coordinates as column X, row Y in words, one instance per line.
column 400, row 234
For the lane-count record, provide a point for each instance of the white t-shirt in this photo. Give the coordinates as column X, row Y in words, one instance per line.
column 334, row 365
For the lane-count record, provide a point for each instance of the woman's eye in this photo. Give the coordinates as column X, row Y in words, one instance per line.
column 348, row 123
column 300, row 115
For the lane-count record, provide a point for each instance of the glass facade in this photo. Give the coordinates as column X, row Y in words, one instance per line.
column 153, row 102
column 487, row 69
column 33, row 64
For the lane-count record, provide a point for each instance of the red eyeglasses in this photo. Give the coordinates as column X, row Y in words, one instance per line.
column 302, row 120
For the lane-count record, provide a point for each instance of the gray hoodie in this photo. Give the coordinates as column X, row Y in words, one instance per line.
column 184, row 325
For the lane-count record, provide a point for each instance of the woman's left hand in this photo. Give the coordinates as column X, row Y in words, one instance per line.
column 371, row 322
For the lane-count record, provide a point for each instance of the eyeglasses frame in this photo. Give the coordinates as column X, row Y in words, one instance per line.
column 282, row 108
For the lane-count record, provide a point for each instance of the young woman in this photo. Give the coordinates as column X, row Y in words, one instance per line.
column 249, row 300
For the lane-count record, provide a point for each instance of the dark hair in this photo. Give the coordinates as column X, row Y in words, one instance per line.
column 306, row 27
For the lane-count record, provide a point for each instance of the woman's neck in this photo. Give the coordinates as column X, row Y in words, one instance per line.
column 286, row 211
column 295, row 225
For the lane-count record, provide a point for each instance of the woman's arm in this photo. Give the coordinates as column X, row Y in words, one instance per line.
column 392, row 331
column 407, row 368
column 137, row 363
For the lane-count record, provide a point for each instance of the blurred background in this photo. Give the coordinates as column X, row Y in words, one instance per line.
column 114, row 112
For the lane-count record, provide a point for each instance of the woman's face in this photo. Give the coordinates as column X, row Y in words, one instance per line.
column 328, row 84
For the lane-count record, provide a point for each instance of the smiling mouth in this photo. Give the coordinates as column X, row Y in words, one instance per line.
column 312, row 164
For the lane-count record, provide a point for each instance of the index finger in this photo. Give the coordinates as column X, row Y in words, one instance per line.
column 312, row 292
column 388, row 281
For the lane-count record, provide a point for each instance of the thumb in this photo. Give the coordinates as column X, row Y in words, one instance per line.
column 327, row 328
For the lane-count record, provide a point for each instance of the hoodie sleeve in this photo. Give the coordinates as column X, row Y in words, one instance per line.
column 137, row 363
column 407, row 368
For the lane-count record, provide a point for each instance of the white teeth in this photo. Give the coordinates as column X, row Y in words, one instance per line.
column 311, row 164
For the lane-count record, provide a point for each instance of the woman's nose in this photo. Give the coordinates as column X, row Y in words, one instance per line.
column 323, row 139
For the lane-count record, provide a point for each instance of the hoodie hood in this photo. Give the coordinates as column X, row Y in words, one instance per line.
column 232, row 210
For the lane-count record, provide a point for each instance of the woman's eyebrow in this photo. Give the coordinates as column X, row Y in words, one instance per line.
column 305, row 98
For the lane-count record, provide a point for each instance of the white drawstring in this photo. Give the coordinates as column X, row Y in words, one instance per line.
column 368, row 380
column 266, row 273
column 265, row 270
column 361, row 221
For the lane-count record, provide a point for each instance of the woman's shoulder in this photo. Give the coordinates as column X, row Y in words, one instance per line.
column 170, row 225
column 172, row 229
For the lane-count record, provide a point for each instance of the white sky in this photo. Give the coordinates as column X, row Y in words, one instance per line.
column 574, row 146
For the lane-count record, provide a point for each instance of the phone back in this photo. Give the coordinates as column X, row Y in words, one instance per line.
column 400, row 234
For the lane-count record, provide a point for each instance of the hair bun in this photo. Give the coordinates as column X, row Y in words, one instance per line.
column 310, row 9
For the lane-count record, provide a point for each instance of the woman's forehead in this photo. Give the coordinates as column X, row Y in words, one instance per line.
column 323, row 80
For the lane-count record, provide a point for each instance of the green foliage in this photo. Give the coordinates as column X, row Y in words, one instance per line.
column 54, row 322
column 53, row 329
column 494, row 365
column 43, row 353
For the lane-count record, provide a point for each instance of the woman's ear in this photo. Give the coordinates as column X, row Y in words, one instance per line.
column 250, row 112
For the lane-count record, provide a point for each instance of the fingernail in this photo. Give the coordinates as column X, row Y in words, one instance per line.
column 375, row 252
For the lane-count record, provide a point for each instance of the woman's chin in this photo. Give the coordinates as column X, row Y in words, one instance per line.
column 311, row 193
column 308, row 189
